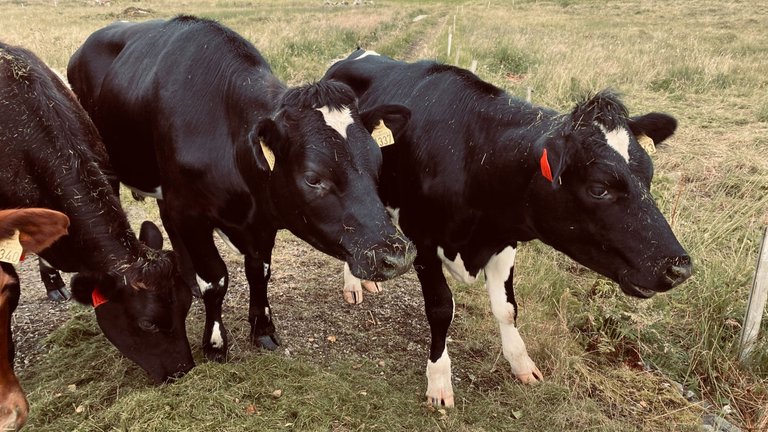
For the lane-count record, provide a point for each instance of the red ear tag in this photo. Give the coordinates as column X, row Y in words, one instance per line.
column 544, row 162
column 23, row 255
column 98, row 298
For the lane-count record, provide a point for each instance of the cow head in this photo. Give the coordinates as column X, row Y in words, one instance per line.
column 591, row 196
column 142, row 308
column 323, row 167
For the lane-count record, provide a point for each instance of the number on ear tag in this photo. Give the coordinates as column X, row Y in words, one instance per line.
column 269, row 155
column 382, row 135
column 646, row 143
column 10, row 249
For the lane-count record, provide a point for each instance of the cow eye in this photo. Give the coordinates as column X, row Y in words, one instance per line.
column 148, row 326
column 313, row 180
column 598, row 191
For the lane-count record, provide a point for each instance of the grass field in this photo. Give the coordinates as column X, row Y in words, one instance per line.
column 348, row 368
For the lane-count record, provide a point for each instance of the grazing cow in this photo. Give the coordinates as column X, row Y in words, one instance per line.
column 191, row 113
column 21, row 231
column 476, row 171
column 52, row 157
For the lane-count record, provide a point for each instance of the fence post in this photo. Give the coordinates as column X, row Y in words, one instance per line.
column 756, row 304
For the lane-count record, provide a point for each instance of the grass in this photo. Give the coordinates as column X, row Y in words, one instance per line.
column 702, row 61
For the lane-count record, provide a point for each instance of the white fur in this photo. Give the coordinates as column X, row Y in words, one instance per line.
column 366, row 54
column 338, row 120
column 456, row 267
column 156, row 194
column 497, row 271
column 439, row 386
column 216, row 340
column 266, row 269
column 203, row 285
column 618, row 139
column 227, row 241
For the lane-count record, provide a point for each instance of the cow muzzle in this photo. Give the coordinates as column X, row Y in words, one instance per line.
column 670, row 273
column 380, row 264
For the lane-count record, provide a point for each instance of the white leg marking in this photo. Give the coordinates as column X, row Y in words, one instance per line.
column 456, row 267
column 227, row 241
column 216, row 340
column 439, row 387
column 618, row 139
column 203, row 285
column 367, row 53
column 156, row 194
column 353, row 289
column 496, row 273
column 266, row 270
column 338, row 120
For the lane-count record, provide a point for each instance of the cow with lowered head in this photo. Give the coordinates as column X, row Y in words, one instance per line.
column 52, row 157
column 476, row 171
column 192, row 114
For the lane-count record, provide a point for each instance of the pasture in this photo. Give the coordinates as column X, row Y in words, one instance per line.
column 610, row 363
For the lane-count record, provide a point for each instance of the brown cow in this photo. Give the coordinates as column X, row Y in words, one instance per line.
column 21, row 231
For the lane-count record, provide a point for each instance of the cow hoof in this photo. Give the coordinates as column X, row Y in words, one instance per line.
column 353, row 297
column 217, row 355
column 371, row 287
column 268, row 342
column 59, row 294
column 531, row 377
column 440, row 401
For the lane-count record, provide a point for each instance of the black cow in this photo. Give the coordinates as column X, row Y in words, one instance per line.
column 476, row 171
column 52, row 156
column 191, row 113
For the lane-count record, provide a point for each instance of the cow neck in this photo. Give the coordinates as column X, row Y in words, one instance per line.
column 70, row 162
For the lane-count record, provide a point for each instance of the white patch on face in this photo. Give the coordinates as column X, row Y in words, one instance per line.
column 203, row 285
column 366, row 54
column 618, row 139
column 338, row 120
column 497, row 272
column 227, row 241
column 439, row 387
column 216, row 340
column 156, row 194
column 456, row 267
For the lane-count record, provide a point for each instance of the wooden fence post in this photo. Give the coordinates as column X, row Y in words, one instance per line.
column 756, row 304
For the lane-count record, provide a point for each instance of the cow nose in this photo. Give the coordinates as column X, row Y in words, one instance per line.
column 679, row 270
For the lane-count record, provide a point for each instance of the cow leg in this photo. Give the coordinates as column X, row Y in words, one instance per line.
column 258, row 271
column 439, row 307
column 186, row 268
column 195, row 235
column 55, row 287
column 498, row 281
column 13, row 403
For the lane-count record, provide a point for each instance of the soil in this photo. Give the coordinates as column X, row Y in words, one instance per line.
column 305, row 295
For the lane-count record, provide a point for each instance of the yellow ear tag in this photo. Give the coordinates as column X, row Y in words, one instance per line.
column 382, row 135
column 269, row 155
column 10, row 249
column 646, row 143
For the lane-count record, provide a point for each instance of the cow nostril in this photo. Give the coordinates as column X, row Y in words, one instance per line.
column 679, row 270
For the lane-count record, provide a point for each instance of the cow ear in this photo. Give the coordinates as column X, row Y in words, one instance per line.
column 395, row 117
column 554, row 159
column 150, row 235
column 265, row 141
column 656, row 126
column 93, row 289
column 38, row 228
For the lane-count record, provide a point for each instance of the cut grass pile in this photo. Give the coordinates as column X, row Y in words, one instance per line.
column 702, row 61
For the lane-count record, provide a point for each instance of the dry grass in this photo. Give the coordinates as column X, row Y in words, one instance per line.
column 702, row 61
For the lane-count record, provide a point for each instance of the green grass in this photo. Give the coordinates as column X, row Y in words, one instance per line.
column 702, row 61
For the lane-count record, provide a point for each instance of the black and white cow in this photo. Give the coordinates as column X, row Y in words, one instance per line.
column 476, row 171
column 51, row 156
column 191, row 113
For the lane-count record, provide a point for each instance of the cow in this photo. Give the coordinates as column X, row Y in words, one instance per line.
column 21, row 231
column 192, row 114
column 477, row 171
column 52, row 157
